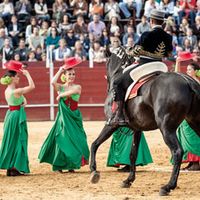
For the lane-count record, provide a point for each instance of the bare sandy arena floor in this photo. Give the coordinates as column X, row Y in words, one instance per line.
column 42, row 183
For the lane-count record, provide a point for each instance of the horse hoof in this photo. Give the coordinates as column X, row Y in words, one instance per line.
column 94, row 177
column 125, row 184
column 163, row 192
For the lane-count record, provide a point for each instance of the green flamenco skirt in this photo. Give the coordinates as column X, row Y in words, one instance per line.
column 66, row 145
column 13, row 152
column 188, row 139
column 119, row 153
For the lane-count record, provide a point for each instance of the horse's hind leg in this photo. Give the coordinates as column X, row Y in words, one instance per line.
column 133, row 156
column 171, row 140
column 104, row 135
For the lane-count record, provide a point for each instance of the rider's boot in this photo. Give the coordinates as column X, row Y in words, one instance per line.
column 117, row 117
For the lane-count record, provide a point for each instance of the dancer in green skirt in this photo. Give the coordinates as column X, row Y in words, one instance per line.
column 66, row 146
column 119, row 153
column 13, row 152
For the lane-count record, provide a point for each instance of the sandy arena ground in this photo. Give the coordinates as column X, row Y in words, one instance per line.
column 42, row 183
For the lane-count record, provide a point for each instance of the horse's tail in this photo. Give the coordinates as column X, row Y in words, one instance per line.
column 193, row 84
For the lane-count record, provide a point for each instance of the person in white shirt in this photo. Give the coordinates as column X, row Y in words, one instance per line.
column 62, row 52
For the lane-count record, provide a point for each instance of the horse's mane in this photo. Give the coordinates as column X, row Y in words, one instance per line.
column 119, row 59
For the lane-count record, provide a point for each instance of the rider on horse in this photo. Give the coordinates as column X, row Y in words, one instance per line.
column 152, row 46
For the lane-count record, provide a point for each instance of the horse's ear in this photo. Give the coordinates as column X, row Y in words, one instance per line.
column 107, row 52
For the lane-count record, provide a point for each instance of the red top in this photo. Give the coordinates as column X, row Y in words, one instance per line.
column 191, row 2
column 11, row 108
column 73, row 105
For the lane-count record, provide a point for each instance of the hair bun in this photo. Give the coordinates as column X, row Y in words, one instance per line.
column 6, row 80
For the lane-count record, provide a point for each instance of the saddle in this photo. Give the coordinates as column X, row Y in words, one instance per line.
column 142, row 74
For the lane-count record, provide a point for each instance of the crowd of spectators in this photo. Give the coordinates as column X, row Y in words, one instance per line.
column 77, row 27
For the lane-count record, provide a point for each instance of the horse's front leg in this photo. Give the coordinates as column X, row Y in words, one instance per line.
column 133, row 156
column 104, row 135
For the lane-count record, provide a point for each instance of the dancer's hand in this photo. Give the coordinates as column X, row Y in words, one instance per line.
column 58, row 98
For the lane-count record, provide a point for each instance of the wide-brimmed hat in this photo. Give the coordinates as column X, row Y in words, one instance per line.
column 71, row 62
column 184, row 55
column 157, row 14
column 14, row 65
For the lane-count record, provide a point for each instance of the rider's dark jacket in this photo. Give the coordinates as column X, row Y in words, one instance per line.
column 152, row 46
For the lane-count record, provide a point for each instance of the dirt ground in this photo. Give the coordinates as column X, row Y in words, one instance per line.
column 42, row 183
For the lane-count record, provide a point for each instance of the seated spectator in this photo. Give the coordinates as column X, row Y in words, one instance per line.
column 17, row 57
column 23, row 10
column 35, row 40
column 80, row 7
column 59, row 9
column 127, row 5
column 80, row 27
column 96, row 8
column 38, row 53
column 22, row 50
column 86, row 42
column 175, row 13
column 187, row 9
column 111, row 8
column 130, row 22
column 130, row 42
column 115, row 43
column 2, row 25
column 65, row 25
column 41, row 10
column 96, row 27
column 114, row 26
column 104, row 39
column 196, row 27
column 149, row 5
column 170, row 25
column 3, row 36
column 130, row 32
column 192, row 38
column 70, row 38
column 31, row 56
column 98, row 53
column 183, row 29
column 53, row 39
column 142, row 26
column 167, row 6
column 187, row 46
column 43, row 57
column 6, row 10
column 14, row 30
column 79, row 51
column 7, row 50
column 29, row 28
column 44, row 29
column 54, row 25
column 62, row 52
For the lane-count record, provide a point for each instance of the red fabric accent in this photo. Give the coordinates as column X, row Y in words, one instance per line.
column 192, row 158
column 136, row 87
column 73, row 105
column 11, row 108
column 114, row 106
column 192, row 2
column 84, row 162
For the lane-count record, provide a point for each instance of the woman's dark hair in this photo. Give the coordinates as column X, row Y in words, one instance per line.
column 195, row 65
column 10, row 73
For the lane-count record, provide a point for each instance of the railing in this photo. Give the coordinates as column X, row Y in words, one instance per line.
column 42, row 103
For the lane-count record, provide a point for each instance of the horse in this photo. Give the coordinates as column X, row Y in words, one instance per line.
column 162, row 103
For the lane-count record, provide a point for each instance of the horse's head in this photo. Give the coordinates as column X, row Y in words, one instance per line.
column 117, row 62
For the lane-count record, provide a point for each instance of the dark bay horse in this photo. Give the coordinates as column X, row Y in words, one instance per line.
column 162, row 103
